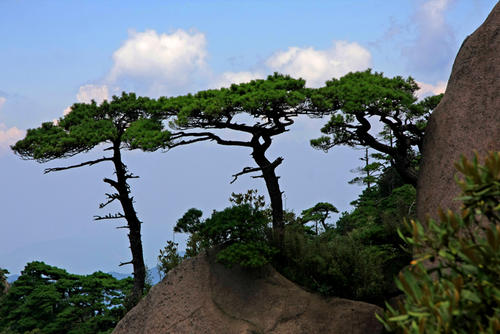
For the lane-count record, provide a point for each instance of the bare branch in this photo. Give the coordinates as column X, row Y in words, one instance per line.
column 111, row 198
column 125, row 263
column 111, row 182
column 185, row 142
column 110, row 216
column 131, row 176
column 247, row 170
column 125, row 226
column 88, row 163
column 201, row 136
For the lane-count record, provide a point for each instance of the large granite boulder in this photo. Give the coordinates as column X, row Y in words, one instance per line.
column 466, row 120
column 202, row 296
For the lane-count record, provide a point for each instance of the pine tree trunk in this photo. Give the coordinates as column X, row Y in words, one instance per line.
column 273, row 188
column 134, row 226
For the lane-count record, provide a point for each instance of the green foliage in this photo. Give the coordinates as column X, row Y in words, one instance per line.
column 358, row 99
column 278, row 94
column 46, row 299
column 370, row 171
column 251, row 198
column 123, row 119
column 332, row 265
column 3, row 280
column 453, row 283
column 190, row 222
column 359, row 256
column 168, row 259
column 239, row 233
column 126, row 122
column 319, row 213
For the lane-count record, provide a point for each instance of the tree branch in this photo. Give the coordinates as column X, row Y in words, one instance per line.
column 131, row 176
column 113, row 183
column 247, row 170
column 125, row 263
column 88, row 163
column 110, row 216
column 367, row 139
column 111, row 198
column 205, row 136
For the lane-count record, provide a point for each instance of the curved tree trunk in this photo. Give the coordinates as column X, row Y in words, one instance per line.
column 273, row 188
column 403, row 165
column 134, row 226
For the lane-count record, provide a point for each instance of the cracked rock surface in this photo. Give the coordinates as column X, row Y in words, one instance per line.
column 202, row 296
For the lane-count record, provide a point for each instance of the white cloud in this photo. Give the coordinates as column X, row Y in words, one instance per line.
column 433, row 48
column 317, row 66
column 88, row 93
column 228, row 78
column 161, row 60
column 430, row 89
column 9, row 136
column 2, row 101
column 66, row 111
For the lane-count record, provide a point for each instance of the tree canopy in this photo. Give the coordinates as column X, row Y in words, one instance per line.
column 121, row 123
column 358, row 100
column 260, row 109
column 51, row 300
column 319, row 213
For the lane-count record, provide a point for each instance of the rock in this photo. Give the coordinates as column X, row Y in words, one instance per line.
column 466, row 120
column 202, row 296
column 6, row 287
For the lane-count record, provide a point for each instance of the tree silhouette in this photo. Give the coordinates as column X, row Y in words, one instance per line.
column 261, row 108
column 358, row 100
column 120, row 124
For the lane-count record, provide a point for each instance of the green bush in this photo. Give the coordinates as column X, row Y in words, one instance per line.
column 168, row 259
column 333, row 265
column 358, row 256
column 453, row 283
column 238, row 233
column 3, row 281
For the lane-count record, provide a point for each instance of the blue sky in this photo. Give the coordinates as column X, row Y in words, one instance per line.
column 55, row 53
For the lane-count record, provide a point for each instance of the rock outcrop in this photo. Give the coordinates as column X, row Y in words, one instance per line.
column 202, row 296
column 6, row 287
column 467, row 119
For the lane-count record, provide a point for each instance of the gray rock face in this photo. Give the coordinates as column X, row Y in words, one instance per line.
column 466, row 120
column 201, row 296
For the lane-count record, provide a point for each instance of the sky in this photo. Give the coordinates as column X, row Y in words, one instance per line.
column 56, row 53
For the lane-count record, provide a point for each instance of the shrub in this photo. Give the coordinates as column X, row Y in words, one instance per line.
column 453, row 283
column 168, row 259
column 238, row 233
column 333, row 264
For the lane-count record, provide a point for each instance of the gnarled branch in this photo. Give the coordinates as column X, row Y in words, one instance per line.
column 111, row 198
column 247, row 170
column 110, row 216
column 87, row 163
column 113, row 183
column 201, row 136
column 125, row 263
